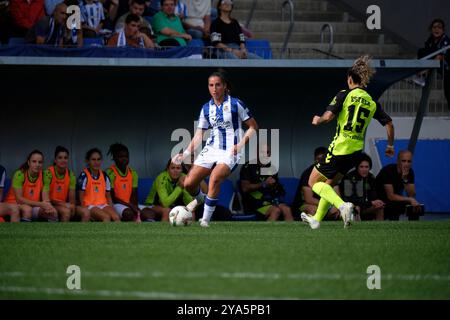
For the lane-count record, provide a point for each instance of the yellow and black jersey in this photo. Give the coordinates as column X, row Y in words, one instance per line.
column 354, row 110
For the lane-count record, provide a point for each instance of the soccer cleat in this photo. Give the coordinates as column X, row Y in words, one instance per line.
column 313, row 223
column 192, row 205
column 346, row 210
column 198, row 200
column 204, row 223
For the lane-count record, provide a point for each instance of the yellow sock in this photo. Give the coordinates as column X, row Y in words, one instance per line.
column 325, row 191
column 322, row 209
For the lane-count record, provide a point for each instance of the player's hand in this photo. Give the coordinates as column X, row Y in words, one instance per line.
column 186, row 36
column 48, row 208
column 138, row 217
column 316, row 120
column 405, row 172
column 389, row 152
column 178, row 158
column 236, row 149
column 377, row 204
column 414, row 202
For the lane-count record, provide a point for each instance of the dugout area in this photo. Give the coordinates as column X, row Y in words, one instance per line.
column 85, row 102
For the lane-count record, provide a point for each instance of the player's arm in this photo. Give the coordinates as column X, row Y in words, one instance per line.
column 326, row 117
column 193, row 145
column 390, row 137
column 165, row 198
column 47, row 179
column 385, row 120
column 252, row 128
column 396, row 197
column 72, row 191
column 411, row 192
column 247, row 186
column 333, row 109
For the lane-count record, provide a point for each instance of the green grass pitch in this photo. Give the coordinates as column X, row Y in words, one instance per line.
column 229, row 260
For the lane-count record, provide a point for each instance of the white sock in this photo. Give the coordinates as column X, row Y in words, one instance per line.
column 210, row 206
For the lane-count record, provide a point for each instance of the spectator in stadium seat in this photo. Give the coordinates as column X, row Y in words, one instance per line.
column 60, row 186
column 7, row 209
column 152, row 7
column 137, row 7
column 180, row 9
column 261, row 189
column 130, row 36
column 305, row 199
column 115, row 9
column 26, row 191
column 359, row 187
column 197, row 21
column 50, row 30
column 438, row 40
column 94, row 189
column 168, row 27
column 25, row 14
column 50, row 5
column 227, row 35
column 93, row 18
column 391, row 183
column 167, row 191
column 124, row 184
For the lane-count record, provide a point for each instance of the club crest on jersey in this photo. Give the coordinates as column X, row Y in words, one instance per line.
column 95, row 189
column 58, row 189
column 31, row 192
column 124, row 186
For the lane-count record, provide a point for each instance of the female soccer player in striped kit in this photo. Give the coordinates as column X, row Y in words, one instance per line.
column 354, row 109
column 224, row 114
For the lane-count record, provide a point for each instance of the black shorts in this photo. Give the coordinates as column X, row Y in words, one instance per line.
column 332, row 165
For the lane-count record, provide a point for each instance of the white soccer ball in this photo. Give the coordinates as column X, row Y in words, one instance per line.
column 180, row 216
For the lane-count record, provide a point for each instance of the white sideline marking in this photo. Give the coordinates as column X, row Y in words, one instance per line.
column 133, row 294
column 237, row 275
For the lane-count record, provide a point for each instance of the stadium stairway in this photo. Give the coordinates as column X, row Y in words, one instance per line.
column 351, row 37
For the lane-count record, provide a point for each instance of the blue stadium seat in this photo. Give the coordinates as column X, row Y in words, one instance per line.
column 16, row 41
column 260, row 47
column 290, row 186
column 93, row 42
column 144, row 186
column 245, row 216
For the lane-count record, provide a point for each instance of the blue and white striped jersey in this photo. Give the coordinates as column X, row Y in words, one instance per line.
column 225, row 121
column 92, row 14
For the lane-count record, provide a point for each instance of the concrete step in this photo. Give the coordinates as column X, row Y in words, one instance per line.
column 307, row 26
column 354, row 38
column 241, row 15
column 342, row 49
column 303, row 5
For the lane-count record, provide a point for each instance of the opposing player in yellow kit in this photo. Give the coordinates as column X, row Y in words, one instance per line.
column 354, row 109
